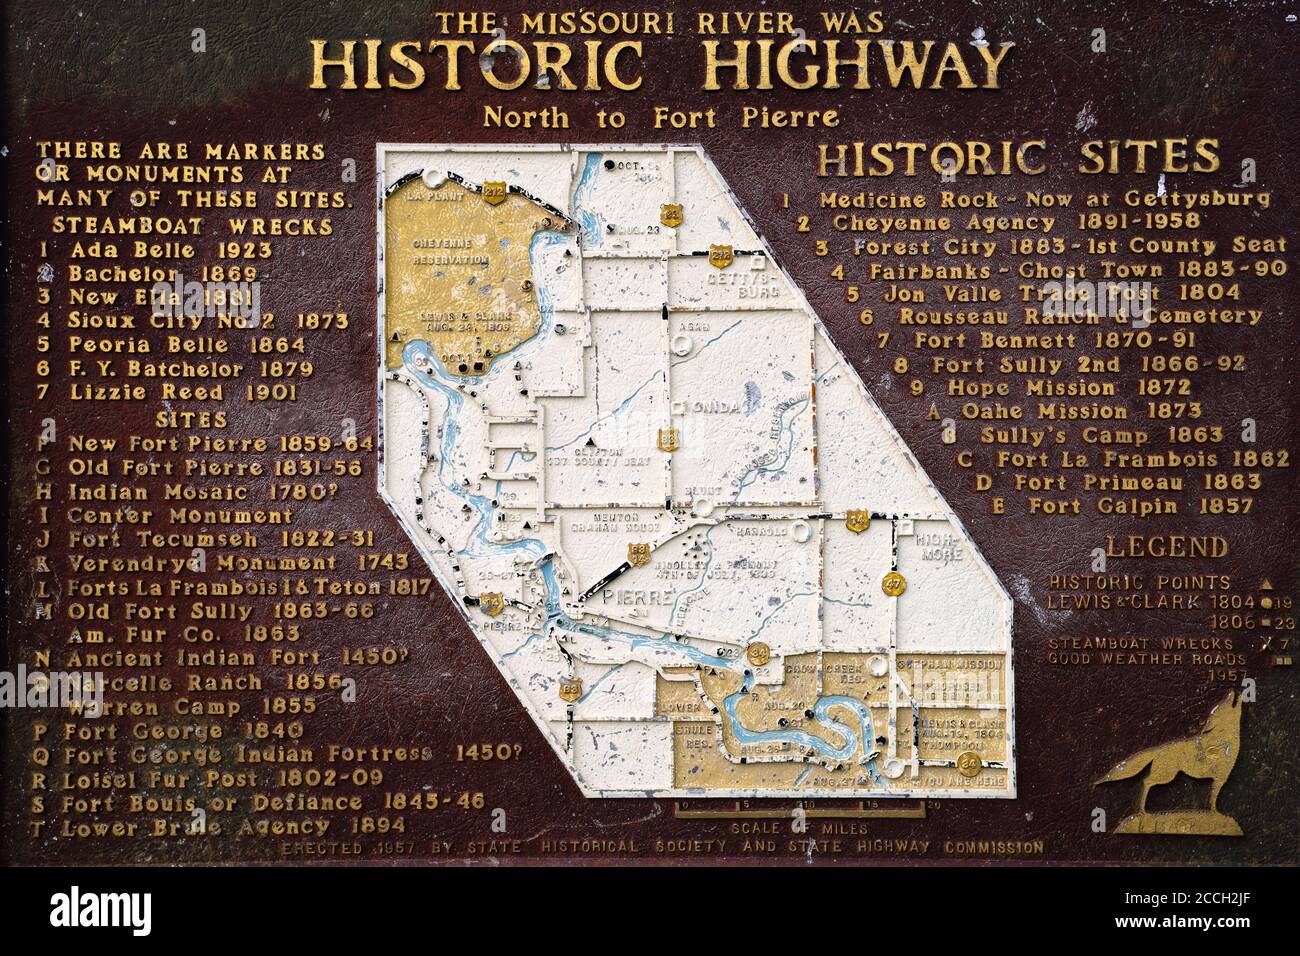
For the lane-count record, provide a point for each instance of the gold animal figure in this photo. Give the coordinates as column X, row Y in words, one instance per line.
column 1210, row 754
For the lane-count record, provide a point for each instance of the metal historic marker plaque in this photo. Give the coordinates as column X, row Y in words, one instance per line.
column 655, row 433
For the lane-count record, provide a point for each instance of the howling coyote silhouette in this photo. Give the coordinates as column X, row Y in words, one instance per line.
column 1212, row 753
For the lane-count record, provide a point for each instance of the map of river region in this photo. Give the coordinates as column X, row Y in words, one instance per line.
column 663, row 499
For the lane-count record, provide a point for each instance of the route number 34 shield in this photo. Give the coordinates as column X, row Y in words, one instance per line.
column 857, row 521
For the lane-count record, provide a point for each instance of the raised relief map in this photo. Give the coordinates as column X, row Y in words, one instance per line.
column 663, row 499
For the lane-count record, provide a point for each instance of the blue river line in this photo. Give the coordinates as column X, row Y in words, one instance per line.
column 592, row 234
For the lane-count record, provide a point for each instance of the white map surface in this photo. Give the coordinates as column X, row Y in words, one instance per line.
column 650, row 504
